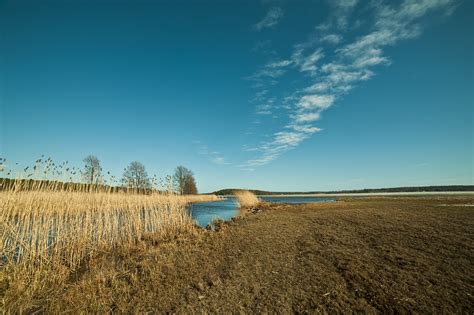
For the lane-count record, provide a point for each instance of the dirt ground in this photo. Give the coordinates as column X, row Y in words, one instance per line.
column 371, row 255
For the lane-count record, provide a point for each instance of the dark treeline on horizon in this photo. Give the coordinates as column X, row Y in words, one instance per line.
column 442, row 188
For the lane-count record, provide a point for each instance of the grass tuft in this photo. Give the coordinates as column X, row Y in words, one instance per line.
column 246, row 199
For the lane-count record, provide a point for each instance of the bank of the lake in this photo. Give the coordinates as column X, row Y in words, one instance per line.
column 376, row 194
column 204, row 213
column 384, row 254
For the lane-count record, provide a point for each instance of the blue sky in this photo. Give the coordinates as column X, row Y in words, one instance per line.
column 274, row 95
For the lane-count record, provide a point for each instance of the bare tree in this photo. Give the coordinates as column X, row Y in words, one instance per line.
column 135, row 176
column 92, row 173
column 190, row 187
column 184, row 182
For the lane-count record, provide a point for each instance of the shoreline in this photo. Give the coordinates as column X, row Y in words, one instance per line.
column 369, row 255
column 417, row 193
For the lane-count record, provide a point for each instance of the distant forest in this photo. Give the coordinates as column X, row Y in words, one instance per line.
column 361, row 191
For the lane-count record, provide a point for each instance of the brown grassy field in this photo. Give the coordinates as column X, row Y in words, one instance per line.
column 407, row 254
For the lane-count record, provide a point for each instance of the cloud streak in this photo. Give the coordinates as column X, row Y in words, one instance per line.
column 271, row 19
column 213, row 156
column 329, row 75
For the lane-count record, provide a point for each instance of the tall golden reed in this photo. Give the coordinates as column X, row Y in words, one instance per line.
column 40, row 226
column 50, row 225
column 246, row 198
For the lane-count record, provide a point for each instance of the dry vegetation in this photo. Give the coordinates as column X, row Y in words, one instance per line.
column 79, row 248
column 246, row 199
column 47, row 233
column 367, row 255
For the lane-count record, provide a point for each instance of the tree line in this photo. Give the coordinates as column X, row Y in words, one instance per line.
column 135, row 176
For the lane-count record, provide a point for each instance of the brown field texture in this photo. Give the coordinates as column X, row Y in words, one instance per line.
column 372, row 255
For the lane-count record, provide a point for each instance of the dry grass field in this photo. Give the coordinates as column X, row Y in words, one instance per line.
column 407, row 254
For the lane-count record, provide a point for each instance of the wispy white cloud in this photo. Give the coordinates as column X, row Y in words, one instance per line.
column 267, row 72
column 213, row 156
column 259, row 96
column 305, row 117
column 372, row 57
column 345, row 4
column 318, row 87
column 316, row 101
column 264, row 109
column 307, row 129
column 288, row 138
column 219, row 160
column 271, row 19
column 308, row 64
column 249, row 149
column 332, row 38
column 342, row 9
column 282, row 142
column 268, row 75
column 335, row 74
column 279, row 64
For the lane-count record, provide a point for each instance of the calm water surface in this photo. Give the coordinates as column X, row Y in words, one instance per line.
column 205, row 212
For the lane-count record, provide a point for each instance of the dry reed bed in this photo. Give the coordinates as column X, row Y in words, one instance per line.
column 44, row 226
column 46, row 236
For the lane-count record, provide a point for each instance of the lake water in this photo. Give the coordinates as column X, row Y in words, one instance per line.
column 205, row 212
